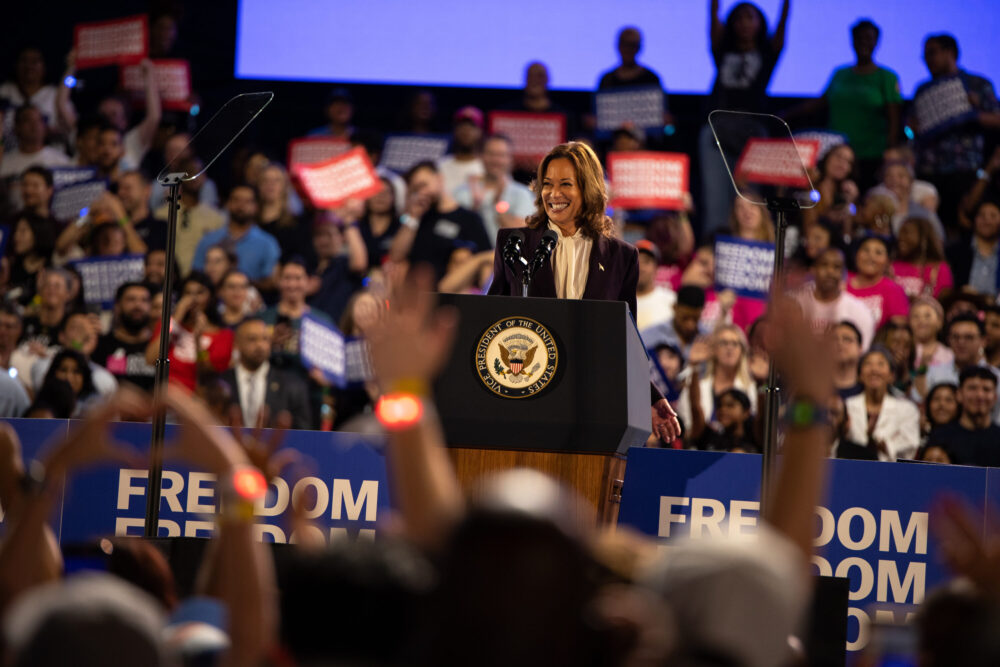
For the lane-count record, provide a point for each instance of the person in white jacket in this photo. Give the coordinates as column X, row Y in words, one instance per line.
column 888, row 424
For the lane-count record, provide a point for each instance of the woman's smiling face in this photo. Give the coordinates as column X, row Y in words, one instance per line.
column 561, row 193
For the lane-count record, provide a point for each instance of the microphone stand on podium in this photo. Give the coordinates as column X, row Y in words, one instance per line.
column 512, row 256
column 209, row 143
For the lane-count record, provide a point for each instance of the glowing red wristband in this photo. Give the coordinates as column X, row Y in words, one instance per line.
column 248, row 483
column 399, row 411
column 242, row 489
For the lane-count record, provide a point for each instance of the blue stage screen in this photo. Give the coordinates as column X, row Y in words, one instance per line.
column 488, row 44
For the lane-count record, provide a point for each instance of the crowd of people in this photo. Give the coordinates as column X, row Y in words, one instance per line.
column 517, row 576
column 898, row 261
column 889, row 318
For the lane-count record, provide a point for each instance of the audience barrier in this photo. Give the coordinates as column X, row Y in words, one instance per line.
column 874, row 527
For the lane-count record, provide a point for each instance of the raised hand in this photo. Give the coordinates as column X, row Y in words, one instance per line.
column 212, row 448
column 414, row 339
column 959, row 530
column 265, row 455
column 91, row 442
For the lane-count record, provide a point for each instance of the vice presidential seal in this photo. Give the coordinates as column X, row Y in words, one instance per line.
column 517, row 357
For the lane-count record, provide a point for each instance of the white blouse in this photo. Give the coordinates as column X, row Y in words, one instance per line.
column 571, row 263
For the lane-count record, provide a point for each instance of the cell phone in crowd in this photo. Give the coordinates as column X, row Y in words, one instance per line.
column 892, row 645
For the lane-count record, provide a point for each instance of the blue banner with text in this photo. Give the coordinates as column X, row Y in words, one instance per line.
column 342, row 491
column 872, row 527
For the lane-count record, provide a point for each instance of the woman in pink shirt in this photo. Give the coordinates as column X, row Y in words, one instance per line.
column 920, row 266
column 880, row 293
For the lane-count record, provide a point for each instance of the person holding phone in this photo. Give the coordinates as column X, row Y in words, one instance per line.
column 198, row 341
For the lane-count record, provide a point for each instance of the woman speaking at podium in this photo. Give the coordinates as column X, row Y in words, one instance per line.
column 588, row 262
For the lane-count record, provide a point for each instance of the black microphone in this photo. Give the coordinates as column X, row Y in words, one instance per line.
column 544, row 249
column 512, row 251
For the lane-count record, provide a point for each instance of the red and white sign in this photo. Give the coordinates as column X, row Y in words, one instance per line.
column 777, row 162
column 647, row 179
column 312, row 150
column 122, row 41
column 173, row 79
column 532, row 134
column 328, row 184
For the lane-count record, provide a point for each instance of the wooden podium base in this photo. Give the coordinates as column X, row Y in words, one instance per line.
column 596, row 477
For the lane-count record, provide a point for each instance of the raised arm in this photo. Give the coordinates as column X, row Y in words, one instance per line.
column 133, row 242
column 408, row 350
column 154, row 112
column 778, row 38
column 30, row 555
column 237, row 568
column 805, row 362
column 65, row 111
column 465, row 274
column 716, row 28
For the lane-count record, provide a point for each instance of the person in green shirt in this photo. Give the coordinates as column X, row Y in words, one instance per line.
column 864, row 104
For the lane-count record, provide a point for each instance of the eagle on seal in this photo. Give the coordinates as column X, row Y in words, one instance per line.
column 517, row 365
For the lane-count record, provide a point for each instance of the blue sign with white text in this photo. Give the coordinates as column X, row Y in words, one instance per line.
column 872, row 527
column 342, row 493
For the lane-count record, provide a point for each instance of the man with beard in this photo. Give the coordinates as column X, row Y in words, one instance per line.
column 257, row 250
column 37, row 190
column 110, row 151
column 123, row 350
column 258, row 385
column 134, row 191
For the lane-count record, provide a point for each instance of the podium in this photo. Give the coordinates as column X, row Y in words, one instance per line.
column 558, row 385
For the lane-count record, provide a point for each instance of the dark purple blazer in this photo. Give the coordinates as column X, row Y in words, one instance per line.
column 613, row 275
column 614, row 270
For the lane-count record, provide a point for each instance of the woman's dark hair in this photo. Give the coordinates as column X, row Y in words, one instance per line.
column 44, row 231
column 142, row 564
column 392, row 190
column 900, row 372
column 55, row 396
column 930, row 396
column 886, row 243
column 81, row 362
column 737, row 395
column 212, row 308
column 881, row 350
column 849, row 325
column 729, row 34
column 822, row 164
column 38, row 170
column 986, row 202
column 231, row 256
column 929, row 249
